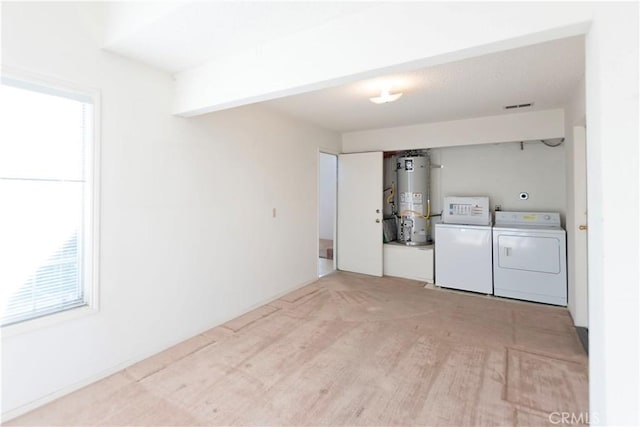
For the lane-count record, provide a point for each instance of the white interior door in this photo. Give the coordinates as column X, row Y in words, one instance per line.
column 581, row 316
column 359, row 234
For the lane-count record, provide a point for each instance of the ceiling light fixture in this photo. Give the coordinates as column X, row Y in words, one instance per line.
column 385, row 96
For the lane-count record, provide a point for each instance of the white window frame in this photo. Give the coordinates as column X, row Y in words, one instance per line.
column 91, row 235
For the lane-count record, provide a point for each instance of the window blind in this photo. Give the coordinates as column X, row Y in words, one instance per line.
column 45, row 140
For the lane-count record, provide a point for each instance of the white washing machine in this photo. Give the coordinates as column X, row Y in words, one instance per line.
column 463, row 257
column 463, row 245
column 530, row 257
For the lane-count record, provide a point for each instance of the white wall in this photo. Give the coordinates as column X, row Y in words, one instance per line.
column 502, row 172
column 480, row 130
column 327, row 197
column 187, row 234
column 613, row 181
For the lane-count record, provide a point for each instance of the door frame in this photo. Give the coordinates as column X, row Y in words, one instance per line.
column 334, row 153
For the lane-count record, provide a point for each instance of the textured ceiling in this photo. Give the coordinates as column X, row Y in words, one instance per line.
column 545, row 74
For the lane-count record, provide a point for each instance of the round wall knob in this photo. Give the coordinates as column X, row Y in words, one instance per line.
column 378, row 220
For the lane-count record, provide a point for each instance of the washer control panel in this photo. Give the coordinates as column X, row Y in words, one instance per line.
column 466, row 210
column 548, row 219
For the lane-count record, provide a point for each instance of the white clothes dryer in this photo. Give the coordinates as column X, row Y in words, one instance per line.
column 530, row 257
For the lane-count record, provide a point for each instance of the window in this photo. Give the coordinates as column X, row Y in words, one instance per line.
column 47, row 200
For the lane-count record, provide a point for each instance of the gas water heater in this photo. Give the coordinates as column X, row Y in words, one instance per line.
column 412, row 199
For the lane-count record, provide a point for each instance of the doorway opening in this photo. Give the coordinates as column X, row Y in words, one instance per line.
column 327, row 194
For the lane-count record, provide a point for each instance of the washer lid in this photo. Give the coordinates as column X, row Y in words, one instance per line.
column 469, row 226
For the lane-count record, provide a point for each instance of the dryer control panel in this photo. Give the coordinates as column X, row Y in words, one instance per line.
column 547, row 219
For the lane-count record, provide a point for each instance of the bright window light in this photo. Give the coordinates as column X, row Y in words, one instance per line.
column 46, row 177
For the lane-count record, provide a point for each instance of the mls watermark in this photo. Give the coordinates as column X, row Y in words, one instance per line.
column 573, row 418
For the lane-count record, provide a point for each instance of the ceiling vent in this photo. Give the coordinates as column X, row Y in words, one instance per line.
column 514, row 106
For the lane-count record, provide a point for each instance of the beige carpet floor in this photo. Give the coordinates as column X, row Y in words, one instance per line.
column 352, row 350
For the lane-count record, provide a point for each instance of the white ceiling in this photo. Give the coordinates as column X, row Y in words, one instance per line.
column 545, row 74
column 175, row 36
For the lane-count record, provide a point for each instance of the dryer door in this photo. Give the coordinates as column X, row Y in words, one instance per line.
column 529, row 253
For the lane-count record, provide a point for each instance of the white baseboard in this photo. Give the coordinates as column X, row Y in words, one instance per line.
column 21, row 410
